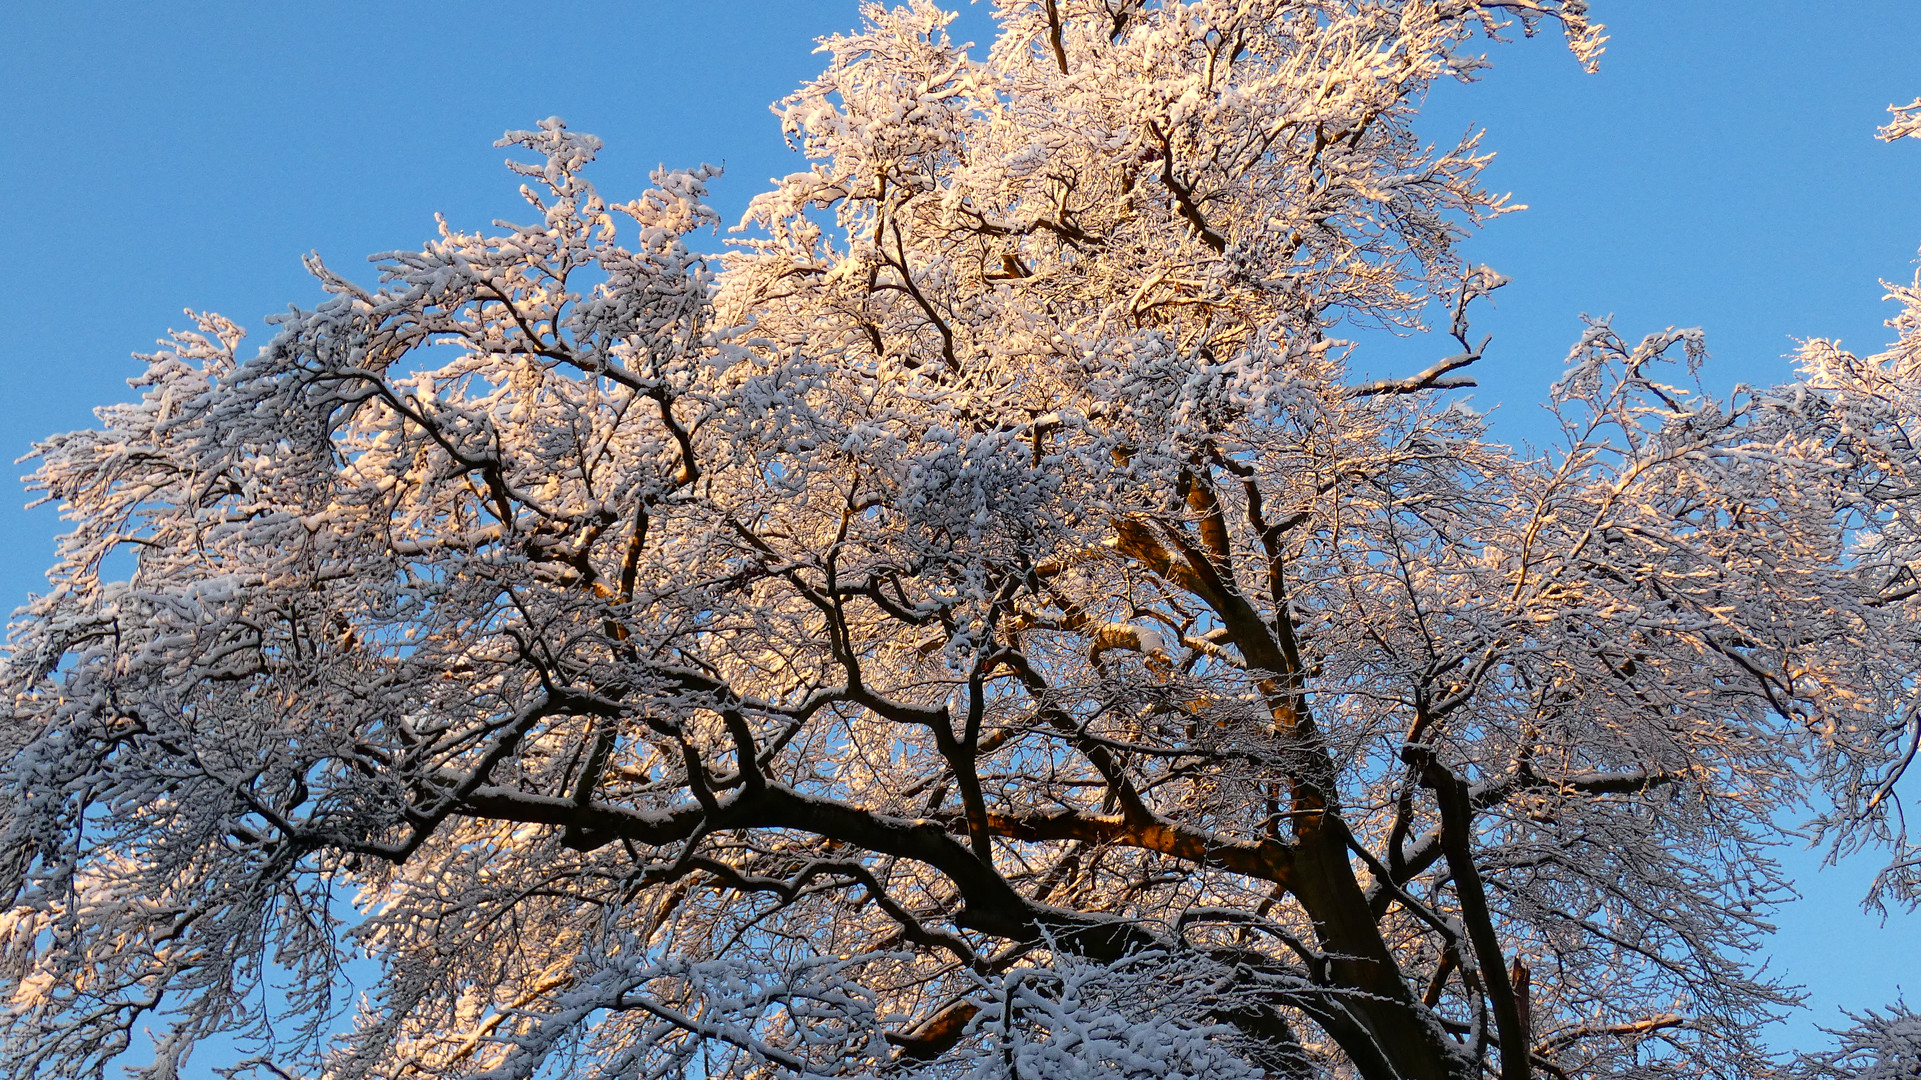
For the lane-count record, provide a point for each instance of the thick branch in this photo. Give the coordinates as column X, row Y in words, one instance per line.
column 1184, row 202
column 1457, row 818
column 1268, row 860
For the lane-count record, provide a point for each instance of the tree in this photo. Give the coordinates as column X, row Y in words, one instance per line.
column 1880, row 1046
column 982, row 628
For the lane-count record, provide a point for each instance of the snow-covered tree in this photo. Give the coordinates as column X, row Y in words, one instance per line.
column 1880, row 1046
column 982, row 626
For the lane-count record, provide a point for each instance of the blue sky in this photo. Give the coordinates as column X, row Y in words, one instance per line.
column 1719, row 172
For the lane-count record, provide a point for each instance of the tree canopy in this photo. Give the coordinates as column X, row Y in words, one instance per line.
column 978, row 626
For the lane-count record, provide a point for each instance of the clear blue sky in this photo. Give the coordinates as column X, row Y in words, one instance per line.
column 1718, row 172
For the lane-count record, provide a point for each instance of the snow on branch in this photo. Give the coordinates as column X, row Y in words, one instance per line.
column 1906, row 122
